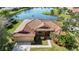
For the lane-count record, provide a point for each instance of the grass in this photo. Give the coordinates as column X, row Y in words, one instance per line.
column 16, row 12
column 46, row 13
column 13, row 12
column 15, row 26
column 44, row 42
column 65, row 16
column 54, row 48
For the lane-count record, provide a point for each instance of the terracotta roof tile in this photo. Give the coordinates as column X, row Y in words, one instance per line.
column 35, row 25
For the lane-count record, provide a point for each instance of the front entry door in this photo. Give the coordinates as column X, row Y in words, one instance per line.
column 46, row 35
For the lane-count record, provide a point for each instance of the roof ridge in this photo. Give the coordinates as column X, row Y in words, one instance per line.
column 27, row 24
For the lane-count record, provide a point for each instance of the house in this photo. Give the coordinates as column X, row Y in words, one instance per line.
column 74, row 9
column 73, row 24
column 73, row 28
column 10, row 8
column 30, row 29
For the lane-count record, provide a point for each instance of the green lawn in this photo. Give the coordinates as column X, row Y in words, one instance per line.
column 11, row 13
column 16, row 12
column 44, row 42
column 65, row 16
column 54, row 48
column 61, row 15
column 15, row 26
column 46, row 13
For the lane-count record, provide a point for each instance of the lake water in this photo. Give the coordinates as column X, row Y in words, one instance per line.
column 35, row 13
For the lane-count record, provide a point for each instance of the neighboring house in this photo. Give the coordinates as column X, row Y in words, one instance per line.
column 28, row 30
column 10, row 8
column 72, row 20
column 73, row 27
column 74, row 9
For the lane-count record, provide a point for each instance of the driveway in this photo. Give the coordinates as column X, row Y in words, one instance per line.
column 22, row 46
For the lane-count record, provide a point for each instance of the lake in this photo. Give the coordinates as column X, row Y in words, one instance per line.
column 35, row 13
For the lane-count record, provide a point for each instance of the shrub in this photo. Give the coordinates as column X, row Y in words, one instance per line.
column 68, row 41
column 10, row 26
column 37, row 40
column 8, row 47
column 14, row 22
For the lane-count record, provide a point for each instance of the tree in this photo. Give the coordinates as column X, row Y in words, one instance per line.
column 65, row 26
column 76, row 15
column 64, row 8
column 52, row 12
column 56, row 11
column 5, row 13
column 4, row 36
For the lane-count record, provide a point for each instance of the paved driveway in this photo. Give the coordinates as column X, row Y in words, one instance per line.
column 22, row 46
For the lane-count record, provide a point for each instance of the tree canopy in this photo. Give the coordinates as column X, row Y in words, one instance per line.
column 4, row 36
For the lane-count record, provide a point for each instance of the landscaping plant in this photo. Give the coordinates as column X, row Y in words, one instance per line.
column 68, row 41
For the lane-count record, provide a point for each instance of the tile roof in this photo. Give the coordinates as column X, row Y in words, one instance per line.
column 74, row 9
column 37, row 24
column 27, row 28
